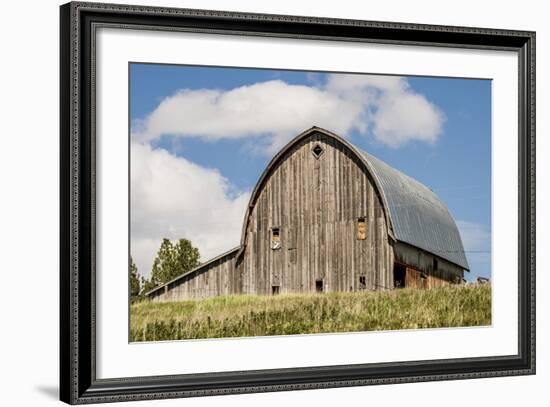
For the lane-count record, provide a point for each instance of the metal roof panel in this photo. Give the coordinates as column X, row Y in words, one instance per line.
column 418, row 216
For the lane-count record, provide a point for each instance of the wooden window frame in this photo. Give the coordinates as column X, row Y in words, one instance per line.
column 273, row 241
column 361, row 234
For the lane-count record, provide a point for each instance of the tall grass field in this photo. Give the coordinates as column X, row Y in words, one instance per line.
column 247, row 315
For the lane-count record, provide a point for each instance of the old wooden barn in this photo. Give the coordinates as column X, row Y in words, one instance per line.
column 325, row 216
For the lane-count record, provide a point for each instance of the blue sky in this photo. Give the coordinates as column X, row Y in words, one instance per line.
column 201, row 136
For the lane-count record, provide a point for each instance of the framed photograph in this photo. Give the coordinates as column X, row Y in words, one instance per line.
column 255, row 203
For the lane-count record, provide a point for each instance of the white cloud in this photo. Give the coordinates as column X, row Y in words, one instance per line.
column 384, row 105
column 395, row 112
column 174, row 198
column 405, row 116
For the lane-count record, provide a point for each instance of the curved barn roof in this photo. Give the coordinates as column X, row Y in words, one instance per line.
column 418, row 216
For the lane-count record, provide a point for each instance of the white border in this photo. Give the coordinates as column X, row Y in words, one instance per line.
column 117, row 358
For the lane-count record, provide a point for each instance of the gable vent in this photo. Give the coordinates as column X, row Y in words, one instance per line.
column 317, row 150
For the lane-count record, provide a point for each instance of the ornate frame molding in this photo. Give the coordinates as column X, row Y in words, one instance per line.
column 78, row 382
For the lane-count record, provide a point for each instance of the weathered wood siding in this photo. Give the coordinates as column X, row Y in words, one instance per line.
column 214, row 278
column 316, row 204
column 420, row 271
column 331, row 232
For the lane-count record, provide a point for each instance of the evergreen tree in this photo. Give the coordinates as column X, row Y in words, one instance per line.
column 135, row 286
column 146, row 286
column 173, row 260
column 187, row 256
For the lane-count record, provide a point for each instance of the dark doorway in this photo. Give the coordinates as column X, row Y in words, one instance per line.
column 399, row 275
column 275, row 289
column 319, row 286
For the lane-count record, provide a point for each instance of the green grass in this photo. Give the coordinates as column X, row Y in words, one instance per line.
column 247, row 315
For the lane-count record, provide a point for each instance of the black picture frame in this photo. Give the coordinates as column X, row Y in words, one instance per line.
column 78, row 382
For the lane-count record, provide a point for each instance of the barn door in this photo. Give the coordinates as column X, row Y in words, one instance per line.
column 399, row 274
column 413, row 278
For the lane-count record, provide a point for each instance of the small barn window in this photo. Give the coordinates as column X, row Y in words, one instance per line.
column 275, row 289
column 362, row 282
column 275, row 238
column 317, row 150
column 361, row 229
column 319, row 286
column 435, row 264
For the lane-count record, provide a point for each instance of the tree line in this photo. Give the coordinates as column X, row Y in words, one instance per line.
column 172, row 260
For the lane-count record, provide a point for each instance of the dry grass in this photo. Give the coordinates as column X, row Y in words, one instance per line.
column 246, row 315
